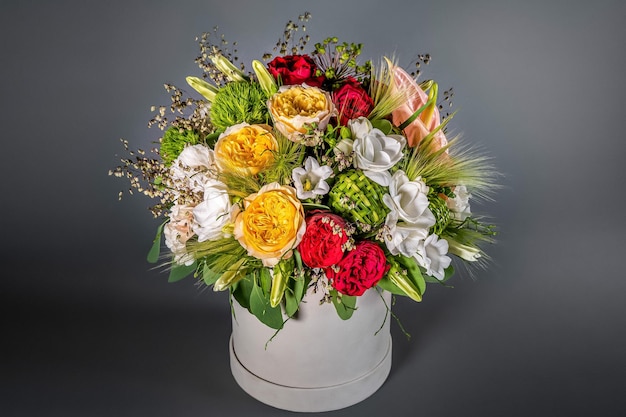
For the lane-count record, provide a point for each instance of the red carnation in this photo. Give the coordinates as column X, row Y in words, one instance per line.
column 295, row 69
column 359, row 270
column 352, row 102
column 323, row 242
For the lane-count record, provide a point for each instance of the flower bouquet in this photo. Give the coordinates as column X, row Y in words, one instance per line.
column 314, row 174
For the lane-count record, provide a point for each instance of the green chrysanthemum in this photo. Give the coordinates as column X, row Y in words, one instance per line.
column 239, row 102
column 174, row 141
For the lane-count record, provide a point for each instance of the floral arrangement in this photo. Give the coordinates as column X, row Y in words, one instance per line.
column 313, row 170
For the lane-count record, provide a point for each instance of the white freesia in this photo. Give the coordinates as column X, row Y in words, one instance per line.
column 178, row 231
column 213, row 213
column 402, row 238
column 310, row 179
column 432, row 256
column 375, row 153
column 193, row 167
column 459, row 205
column 360, row 127
column 409, row 200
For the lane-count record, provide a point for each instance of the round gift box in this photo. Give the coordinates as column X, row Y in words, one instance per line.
column 317, row 362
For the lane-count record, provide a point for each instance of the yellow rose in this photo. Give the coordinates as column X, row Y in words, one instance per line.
column 294, row 107
column 245, row 149
column 271, row 223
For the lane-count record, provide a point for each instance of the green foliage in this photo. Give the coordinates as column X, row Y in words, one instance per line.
column 289, row 156
column 440, row 210
column 404, row 278
column 242, row 290
column 178, row 272
column 261, row 307
column 155, row 250
column 344, row 304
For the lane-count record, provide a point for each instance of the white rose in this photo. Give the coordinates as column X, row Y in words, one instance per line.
column 409, row 200
column 432, row 256
column 213, row 213
column 375, row 153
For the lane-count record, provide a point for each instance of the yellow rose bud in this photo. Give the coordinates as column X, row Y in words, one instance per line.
column 245, row 149
column 295, row 108
column 271, row 223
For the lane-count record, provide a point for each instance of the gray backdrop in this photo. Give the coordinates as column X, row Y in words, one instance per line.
column 90, row 330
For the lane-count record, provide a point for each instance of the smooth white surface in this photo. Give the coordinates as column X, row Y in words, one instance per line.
column 317, row 362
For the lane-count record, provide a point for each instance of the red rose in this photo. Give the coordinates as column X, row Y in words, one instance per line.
column 352, row 101
column 295, row 69
column 322, row 243
column 359, row 270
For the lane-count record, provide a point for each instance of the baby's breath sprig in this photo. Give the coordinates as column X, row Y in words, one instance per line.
column 190, row 114
column 287, row 43
column 209, row 50
column 146, row 176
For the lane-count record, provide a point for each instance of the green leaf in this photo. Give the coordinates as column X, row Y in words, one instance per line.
column 448, row 272
column 414, row 272
column 209, row 276
column 179, row 272
column 261, row 308
column 383, row 124
column 293, row 295
column 386, row 284
column 344, row 304
column 406, row 276
column 155, row 250
column 265, row 279
column 242, row 291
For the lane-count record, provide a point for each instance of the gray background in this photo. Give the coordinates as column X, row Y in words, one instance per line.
column 90, row 330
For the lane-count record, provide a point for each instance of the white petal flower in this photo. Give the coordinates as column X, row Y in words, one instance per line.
column 409, row 199
column 360, row 127
column 178, row 231
column 377, row 152
column 402, row 238
column 459, row 205
column 309, row 180
column 213, row 213
column 432, row 255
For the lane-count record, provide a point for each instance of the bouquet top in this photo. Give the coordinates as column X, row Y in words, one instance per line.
column 312, row 171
